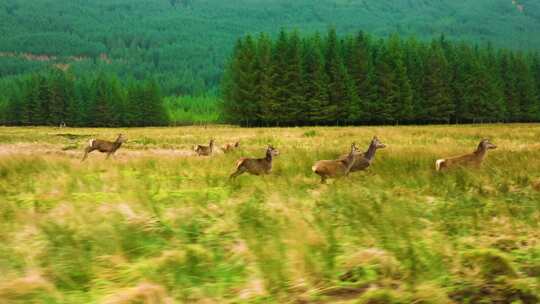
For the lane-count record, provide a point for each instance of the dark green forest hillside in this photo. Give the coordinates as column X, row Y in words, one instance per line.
column 185, row 43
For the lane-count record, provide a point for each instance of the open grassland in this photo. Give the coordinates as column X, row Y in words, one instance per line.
column 157, row 224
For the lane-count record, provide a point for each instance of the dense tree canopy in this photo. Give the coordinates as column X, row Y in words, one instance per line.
column 362, row 80
column 56, row 97
column 184, row 44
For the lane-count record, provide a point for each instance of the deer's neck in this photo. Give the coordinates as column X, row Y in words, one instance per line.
column 480, row 153
column 269, row 156
column 349, row 162
column 370, row 153
column 117, row 144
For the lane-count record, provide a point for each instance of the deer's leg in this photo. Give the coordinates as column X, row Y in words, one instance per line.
column 239, row 171
column 108, row 155
column 86, row 151
column 323, row 179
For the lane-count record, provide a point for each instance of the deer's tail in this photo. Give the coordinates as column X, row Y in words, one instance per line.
column 240, row 162
column 439, row 163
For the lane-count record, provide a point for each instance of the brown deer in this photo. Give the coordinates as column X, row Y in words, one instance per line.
column 474, row 159
column 363, row 160
column 104, row 146
column 229, row 147
column 335, row 168
column 256, row 166
column 205, row 150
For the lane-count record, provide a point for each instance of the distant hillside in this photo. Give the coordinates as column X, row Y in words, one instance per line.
column 184, row 43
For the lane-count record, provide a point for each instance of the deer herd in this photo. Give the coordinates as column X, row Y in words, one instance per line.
column 353, row 161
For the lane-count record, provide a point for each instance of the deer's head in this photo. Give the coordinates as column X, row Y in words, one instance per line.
column 354, row 149
column 272, row 151
column 485, row 144
column 377, row 143
column 121, row 138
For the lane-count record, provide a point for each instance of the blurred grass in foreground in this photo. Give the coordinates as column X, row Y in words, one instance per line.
column 159, row 225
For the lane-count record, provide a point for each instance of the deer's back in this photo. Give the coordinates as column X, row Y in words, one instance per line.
column 203, row 150
column 329, row 167
column 228, row 147
column 256, row 165
column 360, row 162
column 103, row 145
column 467, row 159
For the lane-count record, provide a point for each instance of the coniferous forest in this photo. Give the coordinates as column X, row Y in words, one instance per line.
column 54, row 55
column 56, row 98
column 295, row 80
column 359, row 79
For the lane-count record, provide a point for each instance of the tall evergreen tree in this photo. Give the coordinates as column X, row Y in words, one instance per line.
column 315, row 82
column 264, row 68
column 403, row 107
column 437, row 104
column 295, row 104
column 526, row 90
column 280, row 82
column 339, row 84
column 358, row 62
column 385, row 87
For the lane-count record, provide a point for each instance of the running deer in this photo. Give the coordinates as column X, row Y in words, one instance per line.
column 229, row 147
column 335, row 168
column 256, row 166
column 104, row 146
column 474, row 159
column 363, row 160
column 205, row 150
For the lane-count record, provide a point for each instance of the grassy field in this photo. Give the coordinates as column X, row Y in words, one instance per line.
column 157, row 224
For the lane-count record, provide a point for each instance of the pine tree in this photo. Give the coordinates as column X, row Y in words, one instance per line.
column 526, row 90
column 339, row 84
column 279, row 80
column 315, row 82
column 134, row 114
column 437, row 104
column 414, row 63
column 117, row 103
column 403, row 107
column 154, row 113
column 296, row 102
column 509, row 80
column 386, row 89
column 265, row 93
column 358, row 62
column 101, row 114
column 57, row 98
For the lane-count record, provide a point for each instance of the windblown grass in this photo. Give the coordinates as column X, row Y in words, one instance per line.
column 157, row 224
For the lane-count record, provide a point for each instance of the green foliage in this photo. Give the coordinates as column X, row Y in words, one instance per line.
column 58, row 97
column 360, row 80
column 184, row 43
column 189, row 110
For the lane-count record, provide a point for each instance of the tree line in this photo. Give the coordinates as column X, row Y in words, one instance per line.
column 184, row 44
column 57, row 97
column 357, row 79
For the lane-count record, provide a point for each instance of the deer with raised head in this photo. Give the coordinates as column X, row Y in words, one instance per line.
column 473, row 159
column 229, row 147
column 363, row 160
column 205, row 150
column 335, row 168
column 104, row 146
column 256, row 166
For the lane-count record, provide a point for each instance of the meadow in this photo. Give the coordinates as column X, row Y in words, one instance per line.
column 157, row 224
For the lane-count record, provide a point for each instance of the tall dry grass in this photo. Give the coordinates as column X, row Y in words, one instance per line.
column 159, row 224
